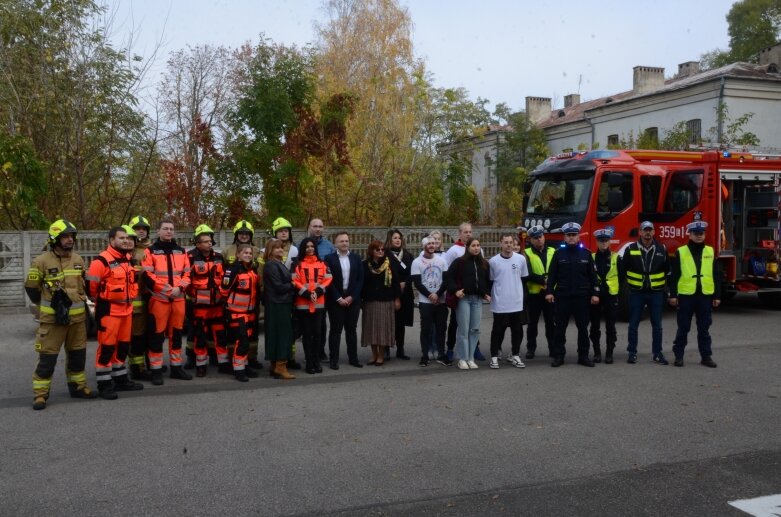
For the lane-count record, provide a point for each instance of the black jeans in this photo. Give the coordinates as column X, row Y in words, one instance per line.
column 343, row 318
column 566, row 306
column 452, row 329
column 311, row 325
column 432, row 316
column 538, row 306
column 606, row 307
column 502, row 320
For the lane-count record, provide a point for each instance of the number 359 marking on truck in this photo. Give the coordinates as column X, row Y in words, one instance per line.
column 672, row 232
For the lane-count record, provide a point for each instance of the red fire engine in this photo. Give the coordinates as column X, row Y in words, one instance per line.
column 736, row 193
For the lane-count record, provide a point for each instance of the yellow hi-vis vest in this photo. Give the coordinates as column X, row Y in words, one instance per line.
column 537, row 268
column 611, row 279
column 688, row 281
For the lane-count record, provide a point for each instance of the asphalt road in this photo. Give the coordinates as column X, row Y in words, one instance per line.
column 403, row 440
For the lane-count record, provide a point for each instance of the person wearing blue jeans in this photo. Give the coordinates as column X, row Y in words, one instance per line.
column 644, row 267
column 469, row 280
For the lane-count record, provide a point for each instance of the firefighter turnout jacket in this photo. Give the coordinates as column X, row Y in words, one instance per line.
column 50, row 273
column 240, row 288
column 206, row 273
column 111, row 281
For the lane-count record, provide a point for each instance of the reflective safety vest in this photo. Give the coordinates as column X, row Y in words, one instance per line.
column 311, row 275
column 650, row 273
column 166, row 267
column 687, row 284
column 611, row 279
column 535, row 262
column 206, row 274
column 240, row 289
column 111, row 279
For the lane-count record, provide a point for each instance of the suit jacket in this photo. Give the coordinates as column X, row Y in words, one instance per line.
column 354, row 284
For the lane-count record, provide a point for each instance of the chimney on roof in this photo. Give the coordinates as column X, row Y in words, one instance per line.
column 770, row 55
column 573, row 99
column 688, row 68
column 647, row 79
column 538, row 109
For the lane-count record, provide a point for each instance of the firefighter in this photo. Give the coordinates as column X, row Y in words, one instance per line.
column 240, row 288
column 111, row 283
column 572, row 284
column 243, row 233
column 606, row 263
column 55, row 281
column 282, row 229
column 539, row 256
column 206, row 272
column 140, row 337
column 695, row 288
column 167, row 276
column 644, row 266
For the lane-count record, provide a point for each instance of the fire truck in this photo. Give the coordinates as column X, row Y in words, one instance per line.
column 737, row 193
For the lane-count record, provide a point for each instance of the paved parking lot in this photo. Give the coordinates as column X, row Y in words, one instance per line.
column 402, row 440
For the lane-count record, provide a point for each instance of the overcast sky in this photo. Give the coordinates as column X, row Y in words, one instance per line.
column 500, row 50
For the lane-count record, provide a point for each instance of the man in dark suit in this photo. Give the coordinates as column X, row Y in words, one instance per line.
column 343, row 299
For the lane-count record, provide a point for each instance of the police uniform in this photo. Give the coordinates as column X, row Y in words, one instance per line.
column 55, row 282
column 539, row 264
column 606, row 263
column 695, row 280
column 572, row 279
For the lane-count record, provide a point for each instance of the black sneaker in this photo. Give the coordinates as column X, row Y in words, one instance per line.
column 444, row 360
column 678, row 361
column 530, row 354
column 659, row 359
column 631, row 358
column 423, row 362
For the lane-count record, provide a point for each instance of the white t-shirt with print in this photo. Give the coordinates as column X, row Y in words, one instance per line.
column 507, row 289
column 431, row 273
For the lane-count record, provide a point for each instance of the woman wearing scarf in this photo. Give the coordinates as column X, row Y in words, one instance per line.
column 381, row 299
column 310, row 277
column 397, row 251
column 278, row 294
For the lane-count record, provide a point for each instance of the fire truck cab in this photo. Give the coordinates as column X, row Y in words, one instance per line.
column 736, row 193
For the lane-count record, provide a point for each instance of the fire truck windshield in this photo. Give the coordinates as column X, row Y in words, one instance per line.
column 567, row 193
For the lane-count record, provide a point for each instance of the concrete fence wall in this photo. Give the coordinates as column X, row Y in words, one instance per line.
column 17, row 249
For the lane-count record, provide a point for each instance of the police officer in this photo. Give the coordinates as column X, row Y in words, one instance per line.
column 606, row 263
column 539, row 257
column 572, row 284
column 695, row 288
column 645, row 267
column 139, row 339
column 111, row 282
column 55, row 281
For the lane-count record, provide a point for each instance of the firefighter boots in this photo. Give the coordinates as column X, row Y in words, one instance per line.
column 178, row 373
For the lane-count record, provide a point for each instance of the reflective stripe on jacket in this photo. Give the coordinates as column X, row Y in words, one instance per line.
column 645, row 269
column 535, row 263
column 240, row 289
column 50, row 272
column 611, row 279
column 311, row 275
column 206, row 273
column 111, row 279
column 166, row 267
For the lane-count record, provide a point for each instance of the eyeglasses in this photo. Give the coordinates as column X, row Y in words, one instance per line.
column 379, row 249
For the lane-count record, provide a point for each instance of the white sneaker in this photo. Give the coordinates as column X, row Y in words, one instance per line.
column 494, row 363
column 509, row 358
column 462, row 365
column 516, row 361
column 472, row 365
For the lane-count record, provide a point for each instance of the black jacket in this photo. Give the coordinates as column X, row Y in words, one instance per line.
column 374, row 288
column 335, row 290
column 277, row 283
column 572, row 273
column 465, row 273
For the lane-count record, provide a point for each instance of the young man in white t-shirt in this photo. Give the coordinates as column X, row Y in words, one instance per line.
column 427, row 273
column 508, row 273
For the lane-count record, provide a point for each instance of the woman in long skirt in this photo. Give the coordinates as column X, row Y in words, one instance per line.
column 278, row 297
column 380, row 297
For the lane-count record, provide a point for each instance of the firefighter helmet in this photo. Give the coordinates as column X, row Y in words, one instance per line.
column 60, row 227
column 140, row 220
column 280, row 223
column 202, row 229
column 244, row 226
column 130, row 231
